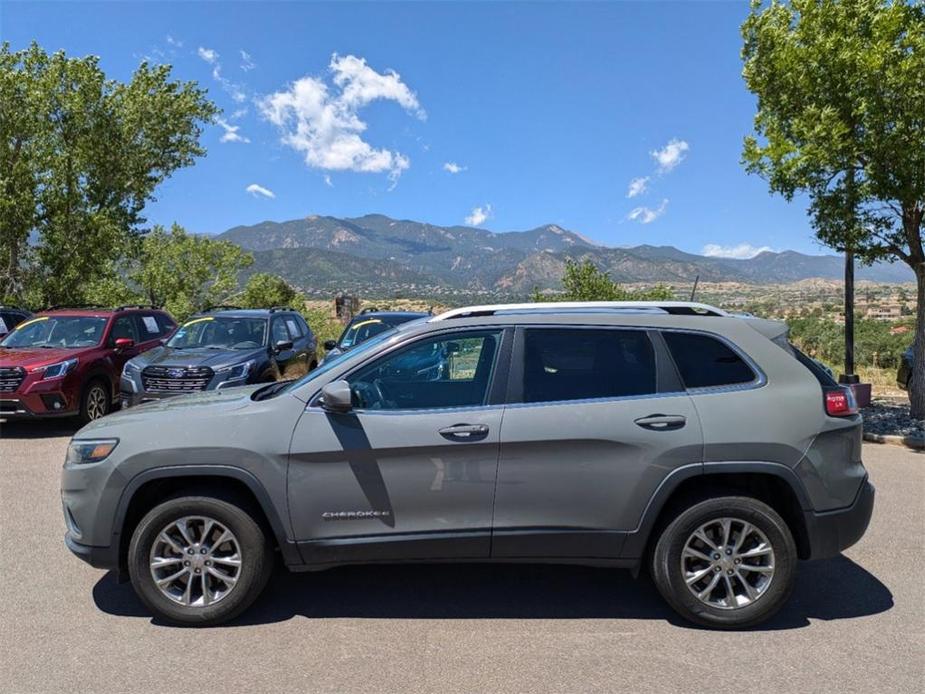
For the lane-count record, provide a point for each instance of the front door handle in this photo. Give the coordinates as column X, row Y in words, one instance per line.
column 464, row 432
column 662, row 422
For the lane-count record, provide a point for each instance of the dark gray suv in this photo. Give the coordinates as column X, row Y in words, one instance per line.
column 668, row 436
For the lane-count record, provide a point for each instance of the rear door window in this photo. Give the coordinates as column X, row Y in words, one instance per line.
column 580, row 364
column 148, row 327
column 279, row 332
column 707, row 362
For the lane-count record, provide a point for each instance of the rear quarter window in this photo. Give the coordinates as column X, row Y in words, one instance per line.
column 707, row 362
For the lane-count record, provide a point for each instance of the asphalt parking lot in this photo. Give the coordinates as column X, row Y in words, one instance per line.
column 854, row 624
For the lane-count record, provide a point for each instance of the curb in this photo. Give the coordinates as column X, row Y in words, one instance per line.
column 895, row 440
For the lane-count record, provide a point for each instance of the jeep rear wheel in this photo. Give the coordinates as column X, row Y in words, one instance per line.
column 728, row 562
column 198, row 561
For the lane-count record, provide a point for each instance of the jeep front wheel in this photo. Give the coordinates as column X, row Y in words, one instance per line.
column 198, row 561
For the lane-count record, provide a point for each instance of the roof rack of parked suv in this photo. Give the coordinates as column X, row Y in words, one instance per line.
column 75, row 306
column 282, row 308
column 130, row 306
column 677, row 308
column 220, row 307
column 369, row 309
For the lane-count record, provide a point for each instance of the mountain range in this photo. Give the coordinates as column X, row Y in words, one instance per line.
column 378, row 254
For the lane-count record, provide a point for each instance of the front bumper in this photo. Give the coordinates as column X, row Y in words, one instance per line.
column 831, row 532
column 97, row 557
column 13, row 407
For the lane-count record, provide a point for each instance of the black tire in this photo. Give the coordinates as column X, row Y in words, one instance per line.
column 255, row 554
column 90, row 404
column 667, row 570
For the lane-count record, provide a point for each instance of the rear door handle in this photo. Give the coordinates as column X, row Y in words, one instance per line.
column 464, row 432
column 662, row 422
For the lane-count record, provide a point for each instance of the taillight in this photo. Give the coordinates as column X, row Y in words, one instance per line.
column 839, row 402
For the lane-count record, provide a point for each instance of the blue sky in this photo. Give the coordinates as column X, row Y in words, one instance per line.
column 549, row 112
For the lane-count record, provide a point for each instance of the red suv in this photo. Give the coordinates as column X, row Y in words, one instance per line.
column 68, row 361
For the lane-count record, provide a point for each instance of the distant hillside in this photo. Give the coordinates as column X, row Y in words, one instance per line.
column 375, row 253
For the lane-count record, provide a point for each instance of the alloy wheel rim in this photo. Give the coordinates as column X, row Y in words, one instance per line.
column 195, row 561
column 96, row 402
column 727, row 563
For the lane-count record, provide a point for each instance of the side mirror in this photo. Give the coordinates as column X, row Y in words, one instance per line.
column 336, row 396
column 330, row 344
column 124, row 342
column 283, row 345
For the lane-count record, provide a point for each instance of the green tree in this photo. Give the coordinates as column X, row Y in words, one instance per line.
column 841, row 117
column 186, row 273
column 264, row 290
column 584, row 281
column 80, row 156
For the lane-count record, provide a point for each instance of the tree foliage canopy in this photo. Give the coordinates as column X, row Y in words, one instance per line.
column 584, row 281
column 185, row 273
column 80, row 157
column 841, row 116
column 263, row 290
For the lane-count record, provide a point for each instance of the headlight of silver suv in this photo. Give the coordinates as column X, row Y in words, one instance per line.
column 236, row 372
column 56, row 370
column 130, row 369
column 84, row 451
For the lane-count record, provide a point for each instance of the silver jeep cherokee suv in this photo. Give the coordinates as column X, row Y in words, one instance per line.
column 669, row 436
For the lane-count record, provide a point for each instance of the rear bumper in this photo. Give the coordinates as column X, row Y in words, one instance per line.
column 833, row 531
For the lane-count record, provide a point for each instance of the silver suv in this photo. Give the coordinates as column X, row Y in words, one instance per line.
column 668, row 436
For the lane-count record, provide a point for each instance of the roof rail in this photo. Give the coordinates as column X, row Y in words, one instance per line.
column 130, row 306
column 282, row 308
column 368, row 309
column 689, row 308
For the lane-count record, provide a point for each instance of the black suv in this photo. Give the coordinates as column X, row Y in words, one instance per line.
column 219, row 348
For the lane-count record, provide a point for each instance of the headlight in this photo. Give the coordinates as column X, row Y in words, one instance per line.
column 129, row 369
column 84, row 451
column 237, row 371
column 56, row 370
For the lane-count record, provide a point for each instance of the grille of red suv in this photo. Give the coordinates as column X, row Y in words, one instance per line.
column 10, row 378
column 169, row 379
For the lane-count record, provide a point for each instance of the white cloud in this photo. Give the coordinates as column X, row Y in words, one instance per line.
column 669, row 156
column 207, row 54
column 324, row 125
column 479, row 215
column 740, row 251
column 327, row 181
column 231, row 132
column 453, row 168
column 646, row 215
column 174, row 42
column 637, row 186
column 239, row 113
column 211, row 56
column 257, row 191
column 247, row 62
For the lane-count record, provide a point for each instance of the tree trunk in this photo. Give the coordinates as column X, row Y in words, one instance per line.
column 917, row 383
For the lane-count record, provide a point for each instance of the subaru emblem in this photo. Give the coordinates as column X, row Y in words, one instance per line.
column 175, row 373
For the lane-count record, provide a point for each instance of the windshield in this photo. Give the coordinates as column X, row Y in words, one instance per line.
column 334, row 361
column 69, row 332
column 219, row 332
column 361, row 330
